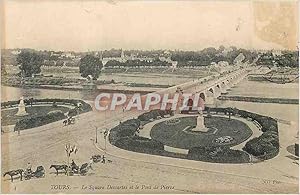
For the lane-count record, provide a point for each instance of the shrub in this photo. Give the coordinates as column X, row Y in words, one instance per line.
column 260, row 146
column 244, row 114
column 270, row 138
column 139, row 144
column 73, row 112
column 134, row 122
column 153, row 114
column 127, row 128
column 85, row 107
column 36, row 121
column 265, row 146
column 9, row 104
column 221, row 154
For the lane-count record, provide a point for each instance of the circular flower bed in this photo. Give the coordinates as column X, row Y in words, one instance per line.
column 224, row 140
column 176, row 136
column 212, row 146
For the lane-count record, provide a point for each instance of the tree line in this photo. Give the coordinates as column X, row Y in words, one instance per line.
column 209, row 55
column 137, row 63
column 287, row 58
column 30, row 62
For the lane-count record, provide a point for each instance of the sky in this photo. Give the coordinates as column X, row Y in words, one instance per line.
column 90, row 25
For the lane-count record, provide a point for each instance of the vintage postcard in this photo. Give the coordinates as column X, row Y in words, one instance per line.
column 137, row 97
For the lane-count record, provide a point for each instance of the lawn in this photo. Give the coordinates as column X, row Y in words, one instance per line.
column 174, row 136
column 8, row 116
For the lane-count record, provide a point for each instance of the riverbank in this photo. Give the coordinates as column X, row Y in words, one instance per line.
column 259, row 99
column 124, row 89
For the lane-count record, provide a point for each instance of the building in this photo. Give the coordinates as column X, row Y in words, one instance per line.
column 123, row 58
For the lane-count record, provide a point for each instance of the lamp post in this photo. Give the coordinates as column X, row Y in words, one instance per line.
column 105, row 136
column 105, row 133
column 96, row 140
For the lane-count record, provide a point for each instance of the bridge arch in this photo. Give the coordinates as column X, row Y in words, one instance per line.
column 223, row 87
column 210, row 96
column 217, row 90
column 202, row 96
column 210, row 91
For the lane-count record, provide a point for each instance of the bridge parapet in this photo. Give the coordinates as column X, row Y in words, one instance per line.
column 206, row 83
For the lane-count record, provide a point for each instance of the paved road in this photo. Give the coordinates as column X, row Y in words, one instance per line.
column 45, row 146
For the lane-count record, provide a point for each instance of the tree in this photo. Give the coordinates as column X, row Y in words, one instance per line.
column 221, row 49
column 266, row 59
column 3, row 71
column 30, row 63
column 287, row 59
column 90, row 65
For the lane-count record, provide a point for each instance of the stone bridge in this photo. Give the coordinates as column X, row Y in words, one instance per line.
column 210, row 87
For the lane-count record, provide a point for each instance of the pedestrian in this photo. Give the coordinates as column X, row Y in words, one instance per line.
column 74, row 167
column 28, row 168
column 91, row 162
column 103, row 159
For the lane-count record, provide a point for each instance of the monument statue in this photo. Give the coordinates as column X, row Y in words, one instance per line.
column 21, row 108
column 200, row 127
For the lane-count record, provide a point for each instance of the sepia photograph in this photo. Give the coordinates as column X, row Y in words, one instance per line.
column 149, row 96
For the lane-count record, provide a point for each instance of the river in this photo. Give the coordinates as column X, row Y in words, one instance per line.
column 14, row 93
column 288, row 112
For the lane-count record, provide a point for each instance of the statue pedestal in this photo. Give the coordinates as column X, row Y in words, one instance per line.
column 200, row 124
column 21, row 108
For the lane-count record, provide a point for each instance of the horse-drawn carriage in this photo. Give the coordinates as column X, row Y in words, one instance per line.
column 40, row 172
column 72, row 169
column 69, row 121
column 98, row 158
column 82, row 170
column 27, row 174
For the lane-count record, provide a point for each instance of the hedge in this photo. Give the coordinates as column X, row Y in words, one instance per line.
column 139, row 144
column 221, row 154
column 39, row 120
column 153, row 114
column 9, row 104
column 127, row 128
column 85, row 106
column 265, row 146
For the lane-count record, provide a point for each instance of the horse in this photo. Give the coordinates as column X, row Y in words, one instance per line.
column 13, row 173
column 59, row 167
column 65, row 122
